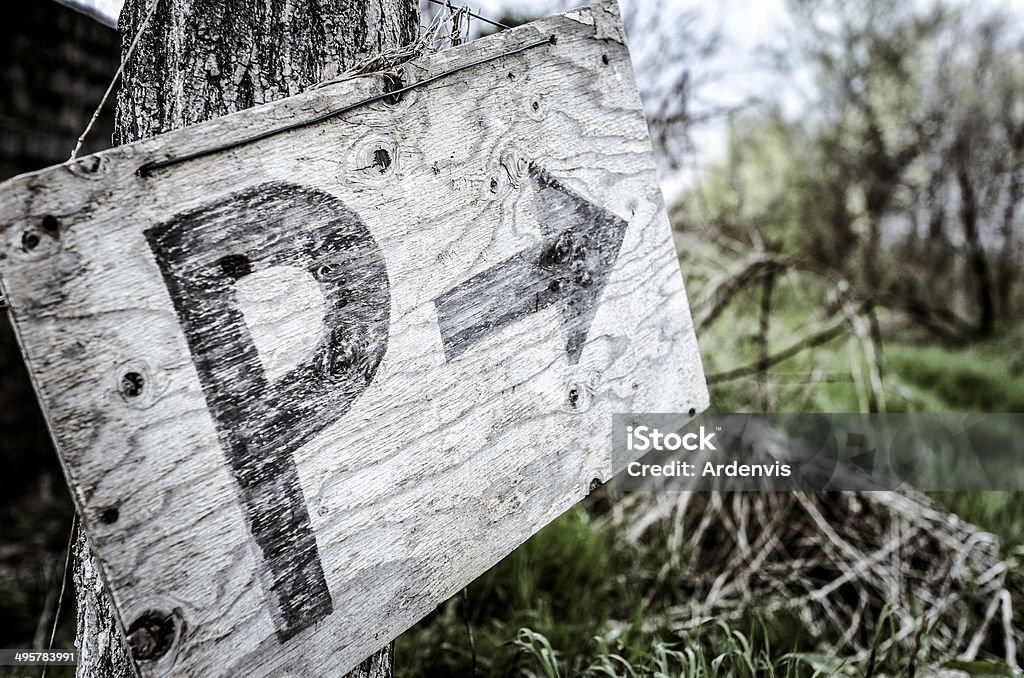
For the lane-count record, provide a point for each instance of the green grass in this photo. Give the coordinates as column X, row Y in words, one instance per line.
column 986, row 377
column 545, row 611
column 1001, row 513
column 564, row 583
column 713, row 649
column 548, row 610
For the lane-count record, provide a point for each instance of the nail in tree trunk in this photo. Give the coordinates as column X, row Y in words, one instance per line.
column 197, row 60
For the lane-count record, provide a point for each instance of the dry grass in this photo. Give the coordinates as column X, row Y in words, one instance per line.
column 836, row 561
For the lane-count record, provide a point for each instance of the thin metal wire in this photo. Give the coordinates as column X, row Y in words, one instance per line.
column 148, row 168
column 475, row 16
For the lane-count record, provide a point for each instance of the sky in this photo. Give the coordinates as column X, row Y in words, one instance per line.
column 104, row 10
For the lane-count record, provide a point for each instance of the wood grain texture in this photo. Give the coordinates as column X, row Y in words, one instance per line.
column 441, row 463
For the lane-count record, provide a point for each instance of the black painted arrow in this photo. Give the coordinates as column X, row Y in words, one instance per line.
column 570, row 267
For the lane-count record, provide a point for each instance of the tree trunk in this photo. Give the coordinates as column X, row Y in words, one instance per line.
column 197, row 60
column 1007, row 273
column 976, row 259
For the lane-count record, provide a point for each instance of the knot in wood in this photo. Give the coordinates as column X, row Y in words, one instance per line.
column 151, row 635
column 132, row 384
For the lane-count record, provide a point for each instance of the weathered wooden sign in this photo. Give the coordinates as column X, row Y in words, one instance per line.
column 307, row 388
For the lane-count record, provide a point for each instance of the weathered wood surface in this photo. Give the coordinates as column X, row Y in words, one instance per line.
column 295, row 387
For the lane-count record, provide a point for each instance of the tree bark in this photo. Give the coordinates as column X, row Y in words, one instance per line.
column 197, row 60
column 101, row 647
column 200, row 59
